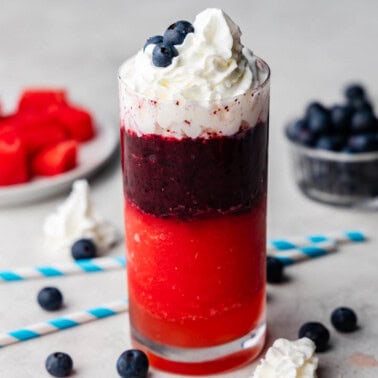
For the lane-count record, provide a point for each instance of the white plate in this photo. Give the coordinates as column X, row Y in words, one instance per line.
column 92, row 156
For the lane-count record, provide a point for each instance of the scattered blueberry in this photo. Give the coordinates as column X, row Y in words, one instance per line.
column 274, row 270
column 330, row 143
column 83, row 249
column 163, row 54
column 59, row 364
column 317, row 333
column 132, row 363
column 362, row 121
column 50, row 298
column 340, row 117
column 344, row 319
column 354, row 91
column 176, row 33
column 363, row 143
column 153, row 40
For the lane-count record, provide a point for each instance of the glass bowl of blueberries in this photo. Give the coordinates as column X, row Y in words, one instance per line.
column 335, row 151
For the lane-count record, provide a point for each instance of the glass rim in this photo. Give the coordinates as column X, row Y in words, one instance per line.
column 256, row 89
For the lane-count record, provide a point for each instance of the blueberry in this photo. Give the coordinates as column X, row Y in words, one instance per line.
column 176, row 33
column 300, row 133
column 340, row 117
column 354, row 91
column 59, row 364
column 314, row 107
column 317, row 333
column 363, row 143
column 318, row 119
column 274, row 270
column 83, row 249
column 153, row 41
column 163, row 54
column 318, row 123
column 330, row 143
column 307, row 138
column 344, row 319
column 362, row 121
column 295, row 128
column 133, row 363
column 50, row 298
column 360, row 104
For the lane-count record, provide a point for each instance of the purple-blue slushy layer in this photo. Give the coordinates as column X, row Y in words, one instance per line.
column 189, row 178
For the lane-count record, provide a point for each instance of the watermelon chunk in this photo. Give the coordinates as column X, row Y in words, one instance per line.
column 36, row 130
column 41, row 99
column 56, row 159
column 13, row 163
column 77, row 121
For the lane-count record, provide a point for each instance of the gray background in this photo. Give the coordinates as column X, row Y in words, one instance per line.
column 313, row 47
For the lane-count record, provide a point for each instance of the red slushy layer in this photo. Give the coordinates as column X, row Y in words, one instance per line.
column 196, row 283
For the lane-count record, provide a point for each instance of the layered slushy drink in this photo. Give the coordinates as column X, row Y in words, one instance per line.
column 194, row 132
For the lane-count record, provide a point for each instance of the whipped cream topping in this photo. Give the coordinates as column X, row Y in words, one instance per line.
column 289, row 359
column 210, row 64
column 76, row 219
column 213, row 87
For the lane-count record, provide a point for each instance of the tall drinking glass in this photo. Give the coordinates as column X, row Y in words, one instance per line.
column 195, row 221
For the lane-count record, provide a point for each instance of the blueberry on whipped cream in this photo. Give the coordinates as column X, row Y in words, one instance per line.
column 176, row 33
column 164, row 50
column 162, row 54
column 156, row 39
column 212, row 63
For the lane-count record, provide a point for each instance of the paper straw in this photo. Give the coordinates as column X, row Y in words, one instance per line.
column 100, row 264
column 58, row 324
column 308, row 252
column 297, row 242
column 301, row 247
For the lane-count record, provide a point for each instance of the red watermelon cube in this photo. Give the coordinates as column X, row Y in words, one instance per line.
column 13, row 163
column 77, row 121
column 56, row 159
column 36, row 99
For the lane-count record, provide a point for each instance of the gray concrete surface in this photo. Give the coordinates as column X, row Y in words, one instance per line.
column 313, row 47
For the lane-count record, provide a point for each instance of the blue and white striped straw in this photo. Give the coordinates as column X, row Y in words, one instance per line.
column 308, row 252
column 285, row 244
column 312, row 245
column 58, row 324
column 100, row 264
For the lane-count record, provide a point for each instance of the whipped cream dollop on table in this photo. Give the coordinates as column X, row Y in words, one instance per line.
column 289, row 359
column 210, row 64
column 75, row 219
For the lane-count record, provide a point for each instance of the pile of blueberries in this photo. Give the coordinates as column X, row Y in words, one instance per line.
column 164, row 50
column 347, row 130
column 351, row 127
column 343, row 319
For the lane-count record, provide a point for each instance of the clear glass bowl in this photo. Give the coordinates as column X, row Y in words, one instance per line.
column 336, row 178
